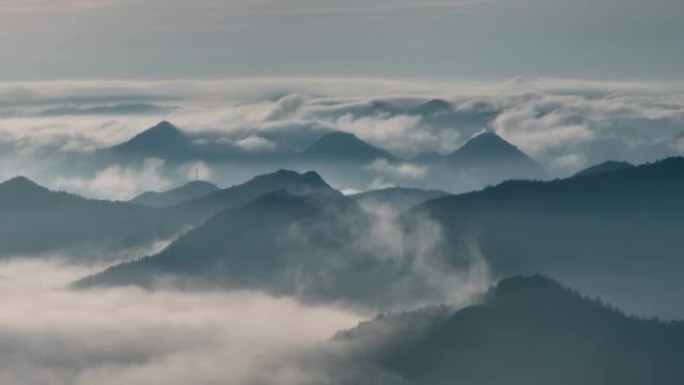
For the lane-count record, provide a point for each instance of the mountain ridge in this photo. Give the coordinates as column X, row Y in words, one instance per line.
column 189, row 191
column 527, row 330
column 340, row 145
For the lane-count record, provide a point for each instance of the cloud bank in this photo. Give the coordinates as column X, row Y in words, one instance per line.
column 564, row 124
column 52, row 335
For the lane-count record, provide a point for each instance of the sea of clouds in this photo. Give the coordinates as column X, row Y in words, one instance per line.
column 564, row 124
column 50, row 334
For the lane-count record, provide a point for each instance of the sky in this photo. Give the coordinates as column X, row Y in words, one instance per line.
column 406, row 39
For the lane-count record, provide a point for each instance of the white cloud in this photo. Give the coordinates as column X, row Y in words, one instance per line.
column 256, row 144
column 548, row 118
column 54, row 335
column 120, row 183
column 396, row 133
column 380, row 184
column 402, row 170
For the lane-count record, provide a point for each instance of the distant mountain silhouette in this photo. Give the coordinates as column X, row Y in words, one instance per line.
column 433, row 107
column 397, row 198
column 526, row 331
column 37, row 220
column 21, row 193
column 342, row 146
column 486, row 159
column 164, row 141
column 604, row 167
column 488, row 152
column 253, row 246
column 620, row 226
column 299, row 183
column 315, row 245
column 170, row 143
column 189, row 191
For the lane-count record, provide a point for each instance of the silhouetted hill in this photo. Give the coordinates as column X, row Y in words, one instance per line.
column 21, row 193
column 605, row 230
column 317, row 246
column 189, row 191
column 299, row 183
column 270, row 244
column 342, row 146
column 168, row 142
column 484, row 160
column 164, row 141
column 488, row 150
column 604, row 167
column 37, row 220
column 433, row 107
column 526, row 331
column 397, row 198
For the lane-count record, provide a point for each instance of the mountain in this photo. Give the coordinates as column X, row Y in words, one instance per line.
column 21, row 193
column 603, row 232
column 397, row 198
column 343, row 146
column 484, row 160
column 526, row 331
column 319, row 246
column 168, row 142
column 433, row 107
column 36, row 220
column 282, row 243
column 189, row 191
column 489, row 153
column 164, row 141
column 601, row 168
column 308, row 182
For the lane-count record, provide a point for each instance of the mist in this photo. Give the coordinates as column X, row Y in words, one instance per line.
column 53, row 335
column 564, row 124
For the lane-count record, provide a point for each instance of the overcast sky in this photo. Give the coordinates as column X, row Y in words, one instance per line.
column 455, row 39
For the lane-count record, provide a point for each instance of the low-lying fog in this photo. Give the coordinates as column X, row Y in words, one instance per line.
column 52, row 335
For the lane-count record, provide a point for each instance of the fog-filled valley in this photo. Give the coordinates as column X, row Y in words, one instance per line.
column 327, row 231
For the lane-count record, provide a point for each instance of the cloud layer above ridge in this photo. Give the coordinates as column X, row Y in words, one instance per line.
column 564, row 124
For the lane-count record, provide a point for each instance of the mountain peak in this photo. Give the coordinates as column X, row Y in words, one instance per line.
column 186, row 192
column 490, row 149
column 435, row 106
column 21, row 192
column 528, row 283
column 162, row 140
column 21, row 183
column 163, row 129
column 532, row 292
column 488, row 141
column 344, row 145
column 309, row 178
column 604, row 167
